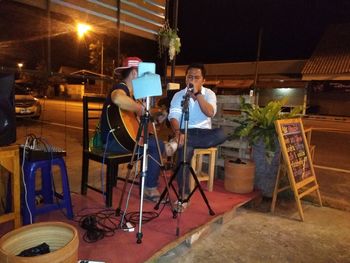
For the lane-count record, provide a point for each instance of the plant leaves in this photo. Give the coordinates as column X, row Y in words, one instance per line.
column 258, row 123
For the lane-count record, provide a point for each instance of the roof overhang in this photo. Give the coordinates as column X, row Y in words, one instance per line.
column 309, row 77
column 140, row 18
column 236, row 84
column 281, row 83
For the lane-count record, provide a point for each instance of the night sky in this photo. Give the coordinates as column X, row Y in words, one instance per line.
column 214, row 31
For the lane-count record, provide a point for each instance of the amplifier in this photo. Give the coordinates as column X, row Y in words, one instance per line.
column 42, row 152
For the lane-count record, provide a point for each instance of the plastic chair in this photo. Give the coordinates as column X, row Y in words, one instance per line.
column 51, row 199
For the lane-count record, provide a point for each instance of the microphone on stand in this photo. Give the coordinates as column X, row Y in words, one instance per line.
column 190, row 88
column 187, row 96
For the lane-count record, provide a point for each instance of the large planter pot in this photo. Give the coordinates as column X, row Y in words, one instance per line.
column 239, row 176
column 265, row 170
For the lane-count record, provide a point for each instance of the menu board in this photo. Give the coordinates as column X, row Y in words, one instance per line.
column 297, row 159
column 296, row 150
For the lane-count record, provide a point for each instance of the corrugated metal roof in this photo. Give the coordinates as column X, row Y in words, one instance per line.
column 332, row 55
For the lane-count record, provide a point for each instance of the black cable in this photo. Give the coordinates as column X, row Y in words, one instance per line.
column 104, row 223
column 98, row 225
column 133, row 217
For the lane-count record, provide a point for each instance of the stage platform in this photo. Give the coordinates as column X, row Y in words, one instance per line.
column 159, row 235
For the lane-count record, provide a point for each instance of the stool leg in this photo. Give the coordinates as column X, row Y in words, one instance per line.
column 211, row 171
column 46, row 182
column 199, row 164
column 66, row 199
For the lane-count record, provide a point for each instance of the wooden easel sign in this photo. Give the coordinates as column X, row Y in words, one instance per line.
column 297, row 161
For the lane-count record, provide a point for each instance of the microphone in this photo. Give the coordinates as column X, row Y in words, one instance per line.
column 190, row 88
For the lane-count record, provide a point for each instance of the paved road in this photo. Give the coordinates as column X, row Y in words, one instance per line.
column 69, row 113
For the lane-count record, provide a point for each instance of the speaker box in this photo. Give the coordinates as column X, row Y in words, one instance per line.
column 7, row 109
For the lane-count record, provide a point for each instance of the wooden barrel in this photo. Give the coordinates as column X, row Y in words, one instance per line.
column 62, row 239
column 239, row 177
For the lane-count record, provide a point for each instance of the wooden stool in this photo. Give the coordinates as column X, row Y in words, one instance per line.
column 9, row 159
column 196, row 164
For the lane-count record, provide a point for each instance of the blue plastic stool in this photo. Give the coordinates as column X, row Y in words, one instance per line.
column 51, row 199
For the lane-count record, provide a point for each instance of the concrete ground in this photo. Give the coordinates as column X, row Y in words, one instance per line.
column 258, row 236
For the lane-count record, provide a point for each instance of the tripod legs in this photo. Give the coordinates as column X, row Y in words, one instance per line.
column 198, row 185
column 143, row 129
column 127, row 177
column 185, row 165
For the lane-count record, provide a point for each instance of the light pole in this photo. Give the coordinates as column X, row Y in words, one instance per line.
column 102, row 50
column 20, row 66
column 83, row 29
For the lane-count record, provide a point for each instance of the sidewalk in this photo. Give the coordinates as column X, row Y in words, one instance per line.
column 254, row 236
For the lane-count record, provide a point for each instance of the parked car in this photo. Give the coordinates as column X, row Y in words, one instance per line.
column 27, row 106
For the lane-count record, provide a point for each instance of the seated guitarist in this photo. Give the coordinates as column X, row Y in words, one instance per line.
column 121, row 95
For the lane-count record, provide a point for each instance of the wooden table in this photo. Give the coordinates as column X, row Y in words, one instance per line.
column 9, row 159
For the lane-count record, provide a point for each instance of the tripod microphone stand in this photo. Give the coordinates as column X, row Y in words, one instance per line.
column 184, row 165
column 141, row 133
column 144, row 126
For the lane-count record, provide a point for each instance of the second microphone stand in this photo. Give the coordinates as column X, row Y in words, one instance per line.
column 185, row 165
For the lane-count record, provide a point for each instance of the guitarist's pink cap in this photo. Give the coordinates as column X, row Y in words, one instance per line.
column 129, row 62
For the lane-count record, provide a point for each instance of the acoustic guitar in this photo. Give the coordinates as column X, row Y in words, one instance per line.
column 125, row 125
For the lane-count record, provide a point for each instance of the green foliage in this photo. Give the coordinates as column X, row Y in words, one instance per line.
column 168, row 40
column 258, row 123
column 95, row 52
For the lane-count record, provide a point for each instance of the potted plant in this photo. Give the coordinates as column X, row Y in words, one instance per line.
column 257, row 125
column 168, row 39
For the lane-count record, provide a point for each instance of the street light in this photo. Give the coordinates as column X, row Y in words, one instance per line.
column 83, row 29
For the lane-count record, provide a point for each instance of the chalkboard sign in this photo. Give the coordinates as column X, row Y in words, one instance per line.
column 296, row 149
column 297, row 161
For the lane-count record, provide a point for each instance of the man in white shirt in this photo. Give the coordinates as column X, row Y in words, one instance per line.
column 201, row 109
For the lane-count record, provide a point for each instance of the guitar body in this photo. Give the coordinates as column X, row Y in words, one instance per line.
column 125, row 125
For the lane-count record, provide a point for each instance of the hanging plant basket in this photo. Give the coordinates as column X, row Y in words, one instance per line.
column 168, row 40
column 165, row 41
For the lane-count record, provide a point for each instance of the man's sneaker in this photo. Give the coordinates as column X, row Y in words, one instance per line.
column 170, row 147
column 151, row 194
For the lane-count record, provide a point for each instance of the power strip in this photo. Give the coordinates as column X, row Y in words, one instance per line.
column 129, row 227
